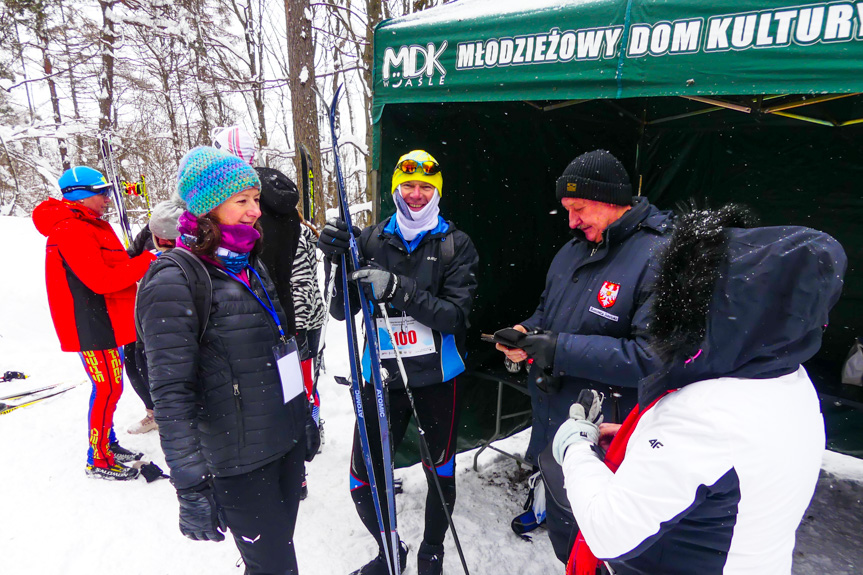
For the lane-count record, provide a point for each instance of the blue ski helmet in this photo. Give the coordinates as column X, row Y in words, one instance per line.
column 82, row 182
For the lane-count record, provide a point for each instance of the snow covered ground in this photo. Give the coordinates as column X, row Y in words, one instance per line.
column 55, row 520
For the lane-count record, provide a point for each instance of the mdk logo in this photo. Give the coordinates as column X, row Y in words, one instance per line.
column 413, row 66
column 608, row 294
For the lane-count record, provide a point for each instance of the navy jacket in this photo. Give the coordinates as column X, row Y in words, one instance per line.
column 601, row 339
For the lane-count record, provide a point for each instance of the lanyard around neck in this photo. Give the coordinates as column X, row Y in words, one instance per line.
column 271, row 309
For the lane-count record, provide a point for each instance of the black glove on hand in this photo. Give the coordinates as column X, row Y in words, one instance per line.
column 540, row 347
column 199, row 516
column 313, row 438
column 381, row 283
column 335, row 239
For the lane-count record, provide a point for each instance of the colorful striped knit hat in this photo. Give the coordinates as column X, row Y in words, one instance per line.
column 207, row 177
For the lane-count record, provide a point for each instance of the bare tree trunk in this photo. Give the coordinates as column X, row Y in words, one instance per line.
column 301, row 81
column 73, row 90
column 42, row 36
column 106, row 78
column 27, row 85
column 373, row 8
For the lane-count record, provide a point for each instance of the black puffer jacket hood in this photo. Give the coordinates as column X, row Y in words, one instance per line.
column 279, row 194
column 740, row 302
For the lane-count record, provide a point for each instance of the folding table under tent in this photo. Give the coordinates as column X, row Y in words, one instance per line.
column 757, row 102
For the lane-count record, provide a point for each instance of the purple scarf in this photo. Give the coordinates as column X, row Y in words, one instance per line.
column 236, row 240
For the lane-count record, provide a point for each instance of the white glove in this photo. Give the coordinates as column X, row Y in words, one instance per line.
column 585, row 415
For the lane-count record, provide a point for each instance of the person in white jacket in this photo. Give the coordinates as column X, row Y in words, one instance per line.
column 713, row 470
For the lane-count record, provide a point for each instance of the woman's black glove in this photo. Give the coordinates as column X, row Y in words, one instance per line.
column 313, row 438
column 335, row 239
column 199, row 514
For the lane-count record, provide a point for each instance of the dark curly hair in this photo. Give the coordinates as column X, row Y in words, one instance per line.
column 208, row 237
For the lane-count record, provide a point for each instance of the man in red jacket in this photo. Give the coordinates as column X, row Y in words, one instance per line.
column 91, row 292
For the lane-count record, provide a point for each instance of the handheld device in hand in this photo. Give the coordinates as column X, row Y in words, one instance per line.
column 507, row 337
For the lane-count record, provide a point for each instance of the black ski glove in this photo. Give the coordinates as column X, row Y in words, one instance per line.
column 541, row 347
column 381, row 284
column 335, row 239
column 313, row 438
column 199, row 515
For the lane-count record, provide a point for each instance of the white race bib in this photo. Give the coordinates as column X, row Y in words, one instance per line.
column 288, row 362
column 412, row 337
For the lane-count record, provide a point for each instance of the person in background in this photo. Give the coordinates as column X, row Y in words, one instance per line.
column 714, row 469
column 160, row 234
column 92, row 283
column 424, row 270
column 236, row 141
column 309, row 311
column 280, row 226
column 233, row 420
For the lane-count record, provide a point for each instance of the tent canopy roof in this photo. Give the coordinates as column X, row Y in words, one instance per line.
column 505, row 50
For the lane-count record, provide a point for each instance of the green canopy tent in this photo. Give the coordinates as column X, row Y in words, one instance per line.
column 758, row 102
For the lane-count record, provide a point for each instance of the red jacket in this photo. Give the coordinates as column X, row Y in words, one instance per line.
column 91, row 280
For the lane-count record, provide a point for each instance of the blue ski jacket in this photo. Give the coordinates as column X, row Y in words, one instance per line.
column 596, row 298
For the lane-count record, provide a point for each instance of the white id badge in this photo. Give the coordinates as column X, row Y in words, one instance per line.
column 412, row 337
column 288, row 361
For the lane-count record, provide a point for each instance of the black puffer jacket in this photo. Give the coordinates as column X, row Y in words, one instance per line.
column 219, row 403
column 437, row 296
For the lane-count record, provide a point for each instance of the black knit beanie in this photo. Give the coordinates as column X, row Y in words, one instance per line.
column 279, row 193
column 597, row 176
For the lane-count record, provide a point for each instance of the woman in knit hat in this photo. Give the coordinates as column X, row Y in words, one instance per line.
column 234, row 424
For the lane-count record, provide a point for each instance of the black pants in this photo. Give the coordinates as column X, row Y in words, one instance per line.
column 136, row 371
column 437, row 407
column 260, row 508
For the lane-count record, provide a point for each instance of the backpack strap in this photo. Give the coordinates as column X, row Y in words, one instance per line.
column 447, row 250
column 373, row 243
column 200, row 283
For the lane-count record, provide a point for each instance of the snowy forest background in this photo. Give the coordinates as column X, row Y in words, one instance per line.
column 159, row 76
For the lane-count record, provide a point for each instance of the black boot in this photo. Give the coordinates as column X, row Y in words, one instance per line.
column 430, row 559
column 123, row 455
column 378, row 565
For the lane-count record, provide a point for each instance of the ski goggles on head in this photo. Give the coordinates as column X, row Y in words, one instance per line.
column 409, row 166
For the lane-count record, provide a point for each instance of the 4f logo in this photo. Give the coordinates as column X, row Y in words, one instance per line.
column 608, row 294
column 413, row 65
column 655, row 443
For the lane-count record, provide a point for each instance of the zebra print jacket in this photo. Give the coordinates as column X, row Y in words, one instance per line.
column 309, row 309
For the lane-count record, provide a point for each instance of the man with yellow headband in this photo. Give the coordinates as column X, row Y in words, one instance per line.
column 424, row 269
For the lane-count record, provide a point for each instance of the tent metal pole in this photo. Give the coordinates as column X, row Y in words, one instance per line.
column 799, row 103
column 720, row 103
column 683, row 116
column 805, row 119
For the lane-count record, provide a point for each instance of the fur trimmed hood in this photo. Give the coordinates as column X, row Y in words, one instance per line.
column 735, row 301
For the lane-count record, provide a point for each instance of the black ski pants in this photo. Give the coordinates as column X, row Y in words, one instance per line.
column 438, row 409
column 260, row 509
column 136, row 371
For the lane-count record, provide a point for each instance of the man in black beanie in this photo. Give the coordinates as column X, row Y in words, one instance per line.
column 588, row 330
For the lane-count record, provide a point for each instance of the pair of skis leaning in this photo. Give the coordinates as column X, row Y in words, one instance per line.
column 389, row 533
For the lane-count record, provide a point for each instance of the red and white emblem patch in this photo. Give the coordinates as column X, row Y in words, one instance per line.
column 608, row 294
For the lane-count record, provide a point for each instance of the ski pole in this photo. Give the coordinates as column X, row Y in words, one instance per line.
column 424, row 447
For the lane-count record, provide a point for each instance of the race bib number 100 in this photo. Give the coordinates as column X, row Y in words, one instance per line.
column 412, row 338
